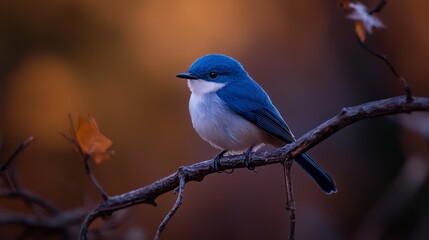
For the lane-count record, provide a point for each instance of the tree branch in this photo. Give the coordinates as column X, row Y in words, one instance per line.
column 290, row 201
column 59, row 221
column 198, row 171
column 91, row 175
column 9, row 176
column 15, row 154
column 176, row 205
column 30, row 198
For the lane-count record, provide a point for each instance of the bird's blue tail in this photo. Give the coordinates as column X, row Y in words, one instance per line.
column 319, row 175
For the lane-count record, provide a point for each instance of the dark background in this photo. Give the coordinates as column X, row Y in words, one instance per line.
column 117, row 60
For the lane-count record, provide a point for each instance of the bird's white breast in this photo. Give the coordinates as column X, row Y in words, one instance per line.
column 216, row 123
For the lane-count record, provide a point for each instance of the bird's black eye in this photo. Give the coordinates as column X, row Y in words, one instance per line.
column 213, row 75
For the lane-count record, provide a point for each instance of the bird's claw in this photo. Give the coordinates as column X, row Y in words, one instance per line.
column 247, row 163
column 216, row 163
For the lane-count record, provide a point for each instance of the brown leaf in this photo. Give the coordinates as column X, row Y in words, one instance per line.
column 92, row 141
column 360, row 30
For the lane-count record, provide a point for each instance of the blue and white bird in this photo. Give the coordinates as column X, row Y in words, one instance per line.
column 234, row 114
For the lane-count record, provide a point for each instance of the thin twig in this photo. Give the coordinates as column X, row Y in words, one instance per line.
column 16, row 153
column 198, row 171
column 380, row 5
column 68, row 138
column 386, row 60
column 92, row 176
column 177, row 204
column 10, row 178
column 59, row 221
column 30, row 197
column 290, row 201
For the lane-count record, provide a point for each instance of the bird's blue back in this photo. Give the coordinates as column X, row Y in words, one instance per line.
column 245, row 97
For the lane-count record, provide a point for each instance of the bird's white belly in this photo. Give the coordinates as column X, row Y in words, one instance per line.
column 221, row 127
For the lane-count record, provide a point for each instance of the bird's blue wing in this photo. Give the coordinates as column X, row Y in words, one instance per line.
column 250, row 101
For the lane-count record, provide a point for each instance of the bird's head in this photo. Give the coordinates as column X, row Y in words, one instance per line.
column 215, row 68
column 212, row 72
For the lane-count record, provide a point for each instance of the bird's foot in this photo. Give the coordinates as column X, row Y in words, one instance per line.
column 247, row 163
column 216, row 163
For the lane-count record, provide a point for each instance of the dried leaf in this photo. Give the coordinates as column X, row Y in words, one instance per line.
column 359, row 13
column 360, row 30
column 92, row 141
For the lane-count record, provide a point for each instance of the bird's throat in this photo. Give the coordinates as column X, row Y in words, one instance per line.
column 200, row 86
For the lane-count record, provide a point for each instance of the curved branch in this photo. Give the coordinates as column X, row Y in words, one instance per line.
column 59, row 221
column 15, row 154
column 198, row 171
column 176, row 205
column 30, row 198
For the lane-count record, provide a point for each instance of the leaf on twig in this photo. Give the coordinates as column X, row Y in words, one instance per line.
column 92, row 141
column 360, row 30
column 365, row 22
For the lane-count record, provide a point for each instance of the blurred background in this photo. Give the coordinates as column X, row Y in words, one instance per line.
column 117, row 60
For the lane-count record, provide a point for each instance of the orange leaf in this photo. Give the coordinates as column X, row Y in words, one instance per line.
column 92, row 141
column 360, row 30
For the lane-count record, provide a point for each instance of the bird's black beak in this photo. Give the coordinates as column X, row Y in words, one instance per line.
column 186, row 76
